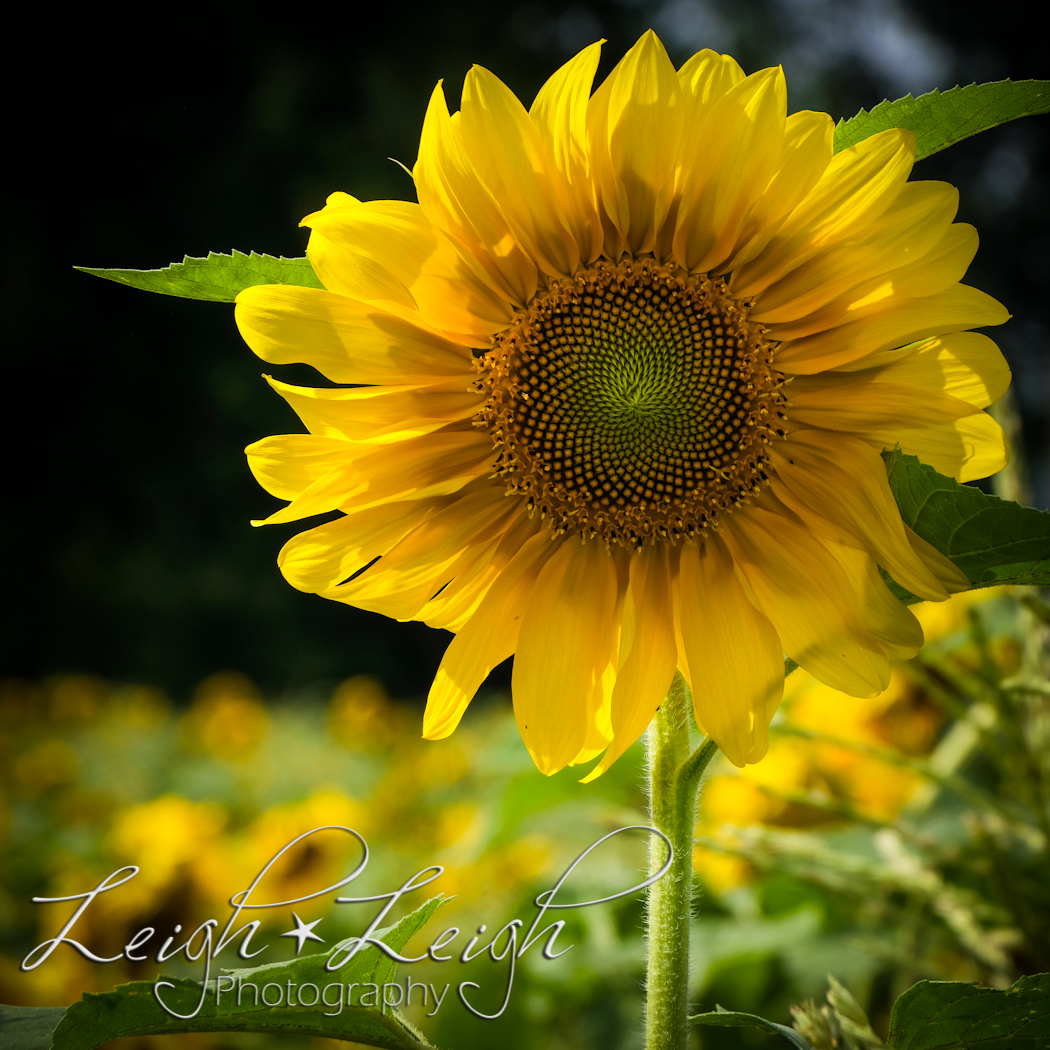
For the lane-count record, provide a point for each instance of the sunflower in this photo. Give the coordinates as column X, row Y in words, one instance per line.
column 611, row 398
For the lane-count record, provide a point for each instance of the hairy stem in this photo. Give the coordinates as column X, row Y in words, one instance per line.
column 674, row 777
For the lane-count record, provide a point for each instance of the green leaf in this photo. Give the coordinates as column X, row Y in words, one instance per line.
column 950, row 1015
column 132, row 1009
column 993, row 541
column 940, row 119
column 722, row 1018
column 28, row 1027
column 217, row 278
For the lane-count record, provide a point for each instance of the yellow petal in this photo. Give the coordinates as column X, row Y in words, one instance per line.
column 952, row 579
column 634, row 123
column 563, row 649
column 325, row 556
column 599, row 725
column 405, row 594
column 378, row 415
column 286, row 464
column 870, row 406
column 944, row 265
column 508, row 154
column 456, row 201
column 903, row 321
column 487, row 639
column 855, row 189
column 559, row 111
column 673, row 561
column 729, row 166
column 417, row 468
column 358, row 248
column 809, row 599
column 330, row 492
column 609, row 193
column 734, row 653
column 706, row 77
column 648, row 655
column 843, row 480
column 808, row 146
column 966, row 365
column 432, row 465
column 407, row 576
column 457, row 603
column 910, row 228
column 967, row 449
column 937, row 271
column 360, row 271
column 345, row 340
column 892, row 623
column 560, row 114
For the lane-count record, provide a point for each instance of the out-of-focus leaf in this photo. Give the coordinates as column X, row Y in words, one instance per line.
column 28, row 1027
column 945, row 1015
column 132, row 1009
column 722, row 1018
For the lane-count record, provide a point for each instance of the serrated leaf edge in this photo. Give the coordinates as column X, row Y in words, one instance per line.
column 931, row 96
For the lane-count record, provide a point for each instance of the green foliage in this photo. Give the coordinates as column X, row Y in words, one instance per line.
column 28, row 1027
column 367, row 965
column 960, row 870
column 942, row 1015
column 732, row 1019
column 217, row 278
column 131, row 1009
column 931, row 1015
column 942, row 118
column 839, row 1025
column 992, row 540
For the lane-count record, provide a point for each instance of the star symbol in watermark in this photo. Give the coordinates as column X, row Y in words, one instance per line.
column 303, row 932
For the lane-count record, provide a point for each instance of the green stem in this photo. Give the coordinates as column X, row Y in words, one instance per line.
column 674, row 777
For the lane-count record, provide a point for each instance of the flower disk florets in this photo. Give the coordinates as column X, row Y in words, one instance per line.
column 633, row 402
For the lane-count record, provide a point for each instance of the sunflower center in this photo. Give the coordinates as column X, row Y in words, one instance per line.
column 632, row 402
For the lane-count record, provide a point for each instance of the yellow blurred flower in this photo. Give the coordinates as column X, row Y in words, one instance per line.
column 166, row 838
column 227, row 718
column 76, row 698
column 140, row 707
column 873, row 786
column 231, row 864
column 64, row 979
column 721, row 872
column 944, row 618
column 46, row 765
column 458, row 823
column 361, row 714
column 504, row 871
column 902, row 718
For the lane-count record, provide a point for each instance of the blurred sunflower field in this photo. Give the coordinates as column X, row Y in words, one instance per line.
column 882, row 841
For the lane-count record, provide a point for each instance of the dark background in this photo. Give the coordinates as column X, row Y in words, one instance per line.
column 138, row 137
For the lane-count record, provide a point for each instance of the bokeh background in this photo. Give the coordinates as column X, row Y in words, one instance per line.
column 883, row 841
column 168, row 700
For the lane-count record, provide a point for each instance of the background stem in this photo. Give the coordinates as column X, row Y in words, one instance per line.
column 674, row 776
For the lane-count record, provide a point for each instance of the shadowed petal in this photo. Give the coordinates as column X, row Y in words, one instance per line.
column 735, row 656
column 562, row 651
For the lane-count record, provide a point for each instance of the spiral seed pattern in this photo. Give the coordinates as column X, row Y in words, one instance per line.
column 633, row 402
